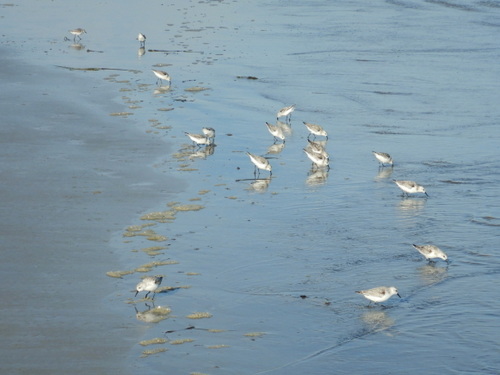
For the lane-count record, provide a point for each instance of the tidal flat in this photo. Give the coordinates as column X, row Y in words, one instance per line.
column 101, row 187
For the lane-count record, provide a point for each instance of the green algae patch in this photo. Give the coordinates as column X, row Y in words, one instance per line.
column 154, row 250
column 160, row 216
column 187, row 169
column 189, row 207
column 123, row 114
column 196, row 89
column 199, row 315
column 162, row 127
column 118, row 274
column 157, row 238
column 154, row 341
column 147, row 353
column 217, row 346
column 151, row 235
column 138, row 228
column 161, row 263
column 142, row 269
column 180, row 341
column 149, row 266
column 148, row 232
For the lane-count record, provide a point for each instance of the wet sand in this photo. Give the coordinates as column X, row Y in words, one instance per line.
column 69, row 181
column 265, row 271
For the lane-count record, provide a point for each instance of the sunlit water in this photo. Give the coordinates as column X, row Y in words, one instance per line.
column 284, row 257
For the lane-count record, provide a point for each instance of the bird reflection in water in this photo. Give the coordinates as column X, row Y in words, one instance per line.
column 285, row 127
column 432, row 274
column 203, row 152
column 411, row 205
column 161, row 90
column 153, row 314
column 377, row 321
column 317, row 176
column 275, row 148
column 260, row 185
column 384, row 173
column 141, row 51
column 77, row 46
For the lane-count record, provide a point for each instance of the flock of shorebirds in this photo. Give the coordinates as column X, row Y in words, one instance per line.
column 320, row 158
column 317, row 153
column 383, row 293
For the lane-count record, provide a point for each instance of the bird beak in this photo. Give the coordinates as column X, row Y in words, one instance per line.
column 398, row 295
column 136, row 293
column 426, row 193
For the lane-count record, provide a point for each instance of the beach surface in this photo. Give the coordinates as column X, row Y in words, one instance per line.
column 101, row 187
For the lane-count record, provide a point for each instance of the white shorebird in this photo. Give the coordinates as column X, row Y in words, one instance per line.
column 199, row 139
column 149, row 284
column 315, row 130
column 316, row 147
column 319, row 159
column 276, row 131
column 431, row 252
column 383, row 158
column 162, row 76
column 410, row 187
column 77, row 33
column 209, row 133
column 141, row 38
column 260, row 163
column 286, row 112
column 379, row 294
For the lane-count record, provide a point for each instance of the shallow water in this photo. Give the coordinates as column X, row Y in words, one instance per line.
column 282, row 260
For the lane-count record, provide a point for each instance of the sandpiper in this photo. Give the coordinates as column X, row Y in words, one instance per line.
column 199, row 139
column 286, row 112
column 162, row 76
column 141, row 38
column 383, row 158
column 431, row 252
column 315, row 130
column 77, row 33
column 379, row 294
column 149, row 284
column 260, row 162
column 276, row 131
column 319, row 159
column 410, row 187
column 209, row 133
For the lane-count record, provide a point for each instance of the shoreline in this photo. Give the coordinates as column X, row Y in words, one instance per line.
column 59, row 217
column 267, row 271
